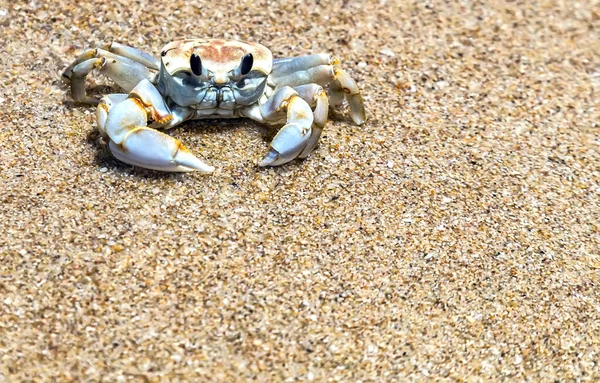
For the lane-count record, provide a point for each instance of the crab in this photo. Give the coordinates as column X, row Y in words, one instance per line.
column 206, row 79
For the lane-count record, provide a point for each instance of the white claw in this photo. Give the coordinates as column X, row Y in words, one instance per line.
column 287, row 144
column 106, row 103
column 312, row 142
column 270, row 158
column 132, row 142
column 151, row 149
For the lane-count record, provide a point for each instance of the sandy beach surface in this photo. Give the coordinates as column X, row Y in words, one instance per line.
column 454, row 236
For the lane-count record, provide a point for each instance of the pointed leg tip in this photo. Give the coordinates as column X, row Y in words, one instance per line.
column 358, row 114
column 360, row 121
column 357, row 109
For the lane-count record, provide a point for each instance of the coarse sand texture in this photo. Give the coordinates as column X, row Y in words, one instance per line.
column 454, row 236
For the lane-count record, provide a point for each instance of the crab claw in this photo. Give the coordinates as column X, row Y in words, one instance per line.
column 286, row 145
column 292, row 139
column 132, row 142
column 151, row 149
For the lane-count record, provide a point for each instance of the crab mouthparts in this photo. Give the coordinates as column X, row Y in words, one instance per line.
column 217, row 97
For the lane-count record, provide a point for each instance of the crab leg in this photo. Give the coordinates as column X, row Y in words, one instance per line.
column 323, row 70
column 77, row 78
column 286, row 66
column 134, row 54
column 344, row 84
column 133, row 142
column 295, row 134
column 115, row 51
column 126, row 73
column 95, row 53
column 320, row 74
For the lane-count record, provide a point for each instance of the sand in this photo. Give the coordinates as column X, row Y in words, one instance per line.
column 455, row 236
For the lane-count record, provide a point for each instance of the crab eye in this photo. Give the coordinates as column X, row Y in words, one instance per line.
column 196, row 64
column 247, row 62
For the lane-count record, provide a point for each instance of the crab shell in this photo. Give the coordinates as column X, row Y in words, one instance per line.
column 219, row 57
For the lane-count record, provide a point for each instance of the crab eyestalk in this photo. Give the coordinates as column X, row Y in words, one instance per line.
column 246, row 65
column 196, row 64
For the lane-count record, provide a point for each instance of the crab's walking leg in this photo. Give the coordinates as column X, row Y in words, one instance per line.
column 324, row 70
column 126, row 73
column 95, row 53
column 115, row 51
column 286, row 66
column 316, row 97
column 133, row 142
column 134, row 54
column 125, row 65
column 343, row 84
column 295, row 134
